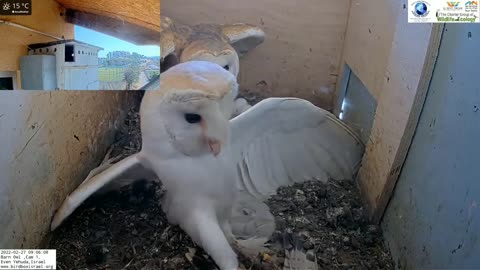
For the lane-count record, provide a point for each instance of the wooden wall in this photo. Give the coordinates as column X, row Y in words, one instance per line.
column 301, row 53
column 368, row 40
column 433, row 218
column 394, row 60
column 50, row 141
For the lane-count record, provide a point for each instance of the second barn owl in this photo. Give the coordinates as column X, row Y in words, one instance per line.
column 220, row 44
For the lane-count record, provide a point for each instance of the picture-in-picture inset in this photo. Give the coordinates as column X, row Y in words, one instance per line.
column 72, row 45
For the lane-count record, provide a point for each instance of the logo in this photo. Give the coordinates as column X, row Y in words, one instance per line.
column 471, row 6
column 453, row 4
column 420, row 9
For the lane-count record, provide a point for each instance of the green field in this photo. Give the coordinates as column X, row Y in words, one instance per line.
column 111, row 74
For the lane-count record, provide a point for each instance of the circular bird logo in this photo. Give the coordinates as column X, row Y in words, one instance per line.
column 420, row 9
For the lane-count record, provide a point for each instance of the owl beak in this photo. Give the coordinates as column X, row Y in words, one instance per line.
column 215, row 133
column 215, row 146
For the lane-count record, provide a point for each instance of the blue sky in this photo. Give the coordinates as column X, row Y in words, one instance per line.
column 109, row 43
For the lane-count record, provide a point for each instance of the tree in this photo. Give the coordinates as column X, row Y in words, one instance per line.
column 137, row 55
column 153, row 75
column 131, row 76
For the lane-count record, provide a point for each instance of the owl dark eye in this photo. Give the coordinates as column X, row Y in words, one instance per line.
column 192, row 118
column 226, row 67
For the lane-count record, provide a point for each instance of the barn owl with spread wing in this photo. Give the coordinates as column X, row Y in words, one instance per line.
column 204, row 159
column 219, row 44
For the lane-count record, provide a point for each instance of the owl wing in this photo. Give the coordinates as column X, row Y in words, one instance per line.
column 243, row 37
column 280, row 141
column 128, row 168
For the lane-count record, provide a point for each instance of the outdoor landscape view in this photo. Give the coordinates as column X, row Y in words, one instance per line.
column 122, row 65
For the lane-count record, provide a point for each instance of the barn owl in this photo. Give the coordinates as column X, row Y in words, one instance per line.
column 220, row 44
column 205, row 160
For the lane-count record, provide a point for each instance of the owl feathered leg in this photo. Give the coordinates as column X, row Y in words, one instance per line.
column 204, row 228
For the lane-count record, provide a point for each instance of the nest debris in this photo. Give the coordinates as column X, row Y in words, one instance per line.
column 128, row 230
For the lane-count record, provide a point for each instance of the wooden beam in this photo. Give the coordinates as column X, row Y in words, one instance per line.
column 406, row 80
column 124, row 30
column 144, row 13
column 131, row 20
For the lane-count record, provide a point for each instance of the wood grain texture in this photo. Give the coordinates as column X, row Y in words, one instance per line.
column 408, row 72
column 50, row 142
column 114, row 27
column 45, row 18
column 144, row 13
column 301, row 53
column 368, row 40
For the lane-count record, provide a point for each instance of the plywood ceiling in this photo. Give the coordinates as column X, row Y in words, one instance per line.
column 134, row 14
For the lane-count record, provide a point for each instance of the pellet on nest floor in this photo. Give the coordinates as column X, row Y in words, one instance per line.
column 128, row 230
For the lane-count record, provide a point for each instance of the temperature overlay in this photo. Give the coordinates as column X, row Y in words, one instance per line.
column 28, row 259
column 15, row 7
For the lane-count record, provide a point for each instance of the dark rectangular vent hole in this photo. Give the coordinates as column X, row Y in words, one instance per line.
column 6, row 83
column 69, row 53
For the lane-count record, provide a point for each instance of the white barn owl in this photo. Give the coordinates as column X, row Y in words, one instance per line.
column 205, row 160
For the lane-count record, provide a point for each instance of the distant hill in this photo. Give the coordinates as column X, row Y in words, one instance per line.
column 121, row 58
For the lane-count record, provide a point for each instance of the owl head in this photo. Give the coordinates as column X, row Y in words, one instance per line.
column 220, row 44
column 190, row 112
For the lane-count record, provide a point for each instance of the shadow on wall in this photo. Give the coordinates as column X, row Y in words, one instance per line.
column 48, row 142
column 433, row 219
